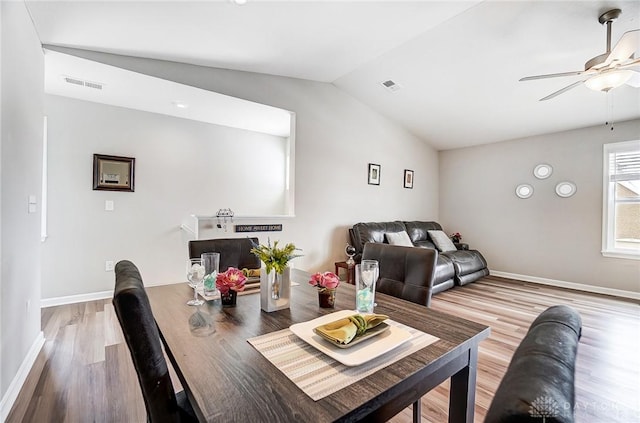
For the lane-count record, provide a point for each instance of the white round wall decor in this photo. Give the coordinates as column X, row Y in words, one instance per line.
column 543, row 171
column 565, row 189
column 524, row 190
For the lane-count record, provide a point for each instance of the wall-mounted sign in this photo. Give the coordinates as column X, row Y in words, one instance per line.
column 258, row 228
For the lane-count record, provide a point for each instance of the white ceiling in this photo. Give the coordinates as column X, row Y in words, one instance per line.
column 458, row 62
column 124, row 88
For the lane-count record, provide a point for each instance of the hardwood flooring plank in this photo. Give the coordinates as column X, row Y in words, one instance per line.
column 84, row 372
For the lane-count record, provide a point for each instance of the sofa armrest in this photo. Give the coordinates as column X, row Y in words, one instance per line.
column 461, row 245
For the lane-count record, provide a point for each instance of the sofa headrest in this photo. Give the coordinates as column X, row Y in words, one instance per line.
column 364, row 232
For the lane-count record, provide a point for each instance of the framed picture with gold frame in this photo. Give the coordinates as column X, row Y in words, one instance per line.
column 113, row 173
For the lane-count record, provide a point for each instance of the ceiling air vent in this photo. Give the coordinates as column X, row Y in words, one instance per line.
column 70, row 80
column 391, row 85
column 95, row 85
column 77, row 81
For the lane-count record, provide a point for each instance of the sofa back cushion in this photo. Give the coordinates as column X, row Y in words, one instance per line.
column 373, row 232
column 417, row 231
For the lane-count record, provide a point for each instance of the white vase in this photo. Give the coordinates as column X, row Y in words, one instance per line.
column 275, row 289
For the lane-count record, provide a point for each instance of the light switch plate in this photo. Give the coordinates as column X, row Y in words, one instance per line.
column 108, row 205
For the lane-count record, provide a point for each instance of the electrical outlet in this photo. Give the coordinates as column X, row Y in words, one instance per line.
column 108, row 266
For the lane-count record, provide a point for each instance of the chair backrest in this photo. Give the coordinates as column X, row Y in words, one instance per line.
column 539, row 384
column 141, row 334
column 234, row 252
column 405, row 272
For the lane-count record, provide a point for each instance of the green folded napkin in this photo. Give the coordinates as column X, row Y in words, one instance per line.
column 344, row 330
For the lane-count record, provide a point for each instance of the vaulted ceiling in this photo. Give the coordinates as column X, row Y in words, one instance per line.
column 457, row 63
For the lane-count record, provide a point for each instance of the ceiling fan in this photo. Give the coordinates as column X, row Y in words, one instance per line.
column 610, row 69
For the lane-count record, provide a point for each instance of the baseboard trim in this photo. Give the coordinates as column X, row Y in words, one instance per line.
column 71, row 299
column 15, row 386
column 569, row 285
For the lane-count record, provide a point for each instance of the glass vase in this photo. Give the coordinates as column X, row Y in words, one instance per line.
column 327, row 298
column 275, row 289
column 229, row 298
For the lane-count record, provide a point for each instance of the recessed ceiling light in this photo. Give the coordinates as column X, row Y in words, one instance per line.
column 180, row 104
column 239, row 2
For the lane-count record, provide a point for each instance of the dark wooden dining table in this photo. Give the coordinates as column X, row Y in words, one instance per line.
column 227, row 380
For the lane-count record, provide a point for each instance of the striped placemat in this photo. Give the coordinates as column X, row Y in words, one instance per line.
column 319, row 375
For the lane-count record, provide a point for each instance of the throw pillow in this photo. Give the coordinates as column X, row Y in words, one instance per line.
column 399, row 238
column 442, row 241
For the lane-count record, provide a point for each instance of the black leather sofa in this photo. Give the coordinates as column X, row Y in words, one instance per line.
column 539, row 383
column 458, row 267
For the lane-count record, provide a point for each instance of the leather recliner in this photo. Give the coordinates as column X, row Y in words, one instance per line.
column 458, row 267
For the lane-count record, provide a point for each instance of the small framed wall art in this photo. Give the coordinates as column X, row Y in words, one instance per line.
column 408, row 178
column 374, row 174
column 113, row 173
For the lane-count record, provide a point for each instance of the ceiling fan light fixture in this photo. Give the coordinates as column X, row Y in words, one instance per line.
column 608, row 80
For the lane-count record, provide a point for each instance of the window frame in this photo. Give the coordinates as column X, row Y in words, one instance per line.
column 609, row 203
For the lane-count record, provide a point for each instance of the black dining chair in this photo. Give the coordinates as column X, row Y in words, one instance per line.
column 143, row 339
column 406, row 273
column 234, row 252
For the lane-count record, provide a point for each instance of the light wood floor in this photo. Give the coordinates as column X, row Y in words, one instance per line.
column 84, row 372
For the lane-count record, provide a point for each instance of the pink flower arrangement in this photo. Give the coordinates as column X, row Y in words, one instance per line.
column 233, row 279
column 324, row 281
column 456, row 237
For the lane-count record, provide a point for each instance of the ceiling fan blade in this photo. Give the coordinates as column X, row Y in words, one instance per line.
column 634, row 81
column 552, row 75
column 630, row 64
column 567, row 88
column 627, row 45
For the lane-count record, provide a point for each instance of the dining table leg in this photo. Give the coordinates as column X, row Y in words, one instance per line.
column 417, row 411
column 462, row 393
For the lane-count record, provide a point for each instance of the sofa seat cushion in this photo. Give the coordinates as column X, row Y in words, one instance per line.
column 467, row 262
column 425, row 244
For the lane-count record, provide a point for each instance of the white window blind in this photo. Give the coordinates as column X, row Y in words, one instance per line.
column 624, row 166
column 621, row 200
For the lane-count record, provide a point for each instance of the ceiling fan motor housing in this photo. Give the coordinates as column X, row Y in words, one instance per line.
column 605, row 19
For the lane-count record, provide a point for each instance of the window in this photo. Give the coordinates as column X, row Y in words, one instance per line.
column 621, row 200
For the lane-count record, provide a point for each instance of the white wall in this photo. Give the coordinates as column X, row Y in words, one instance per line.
column 545, row 236
column 21, row 176
column 336, row 138
column 182, row 167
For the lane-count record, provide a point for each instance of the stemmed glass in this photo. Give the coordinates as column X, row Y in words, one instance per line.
column 195, row 275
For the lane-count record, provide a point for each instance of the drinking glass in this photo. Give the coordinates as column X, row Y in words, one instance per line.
column 195, row 275
column 366, row 277
column 211, row 263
